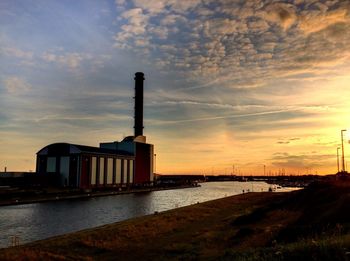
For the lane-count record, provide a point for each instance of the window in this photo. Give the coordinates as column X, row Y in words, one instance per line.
column 102, row 171
column 93, row 170
column 64, row 170
column 51, row 164
column 109, row 171
column 118, row 171
column 125, row 171
column 131, row 171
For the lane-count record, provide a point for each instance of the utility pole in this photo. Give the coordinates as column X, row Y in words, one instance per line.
column 155, row 162
column 264, row 170
column 338, row 158
column 342, row 148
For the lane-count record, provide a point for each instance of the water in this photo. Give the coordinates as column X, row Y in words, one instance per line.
column 42, row 220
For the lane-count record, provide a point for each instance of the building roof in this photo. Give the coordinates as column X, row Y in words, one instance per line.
column 67, row 148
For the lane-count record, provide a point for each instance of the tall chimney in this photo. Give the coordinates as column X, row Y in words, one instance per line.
column 138, row 127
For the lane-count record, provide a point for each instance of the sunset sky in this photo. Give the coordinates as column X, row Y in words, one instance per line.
column 244, row 83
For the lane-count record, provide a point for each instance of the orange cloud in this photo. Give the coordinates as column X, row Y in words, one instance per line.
column 316, row 21
column 280, row 13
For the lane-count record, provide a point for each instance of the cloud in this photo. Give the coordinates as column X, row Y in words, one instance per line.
column 18, row 53
column 120, row 2
column 75, row 60
column 151, row 6
column 54, row 118
column 287, row 141
column 133, row 31
column 280, row 13
column 183, row 6
column 236, row 43
column 16, row 85
column 299, row 161
column 315, row 21
column 70, row 60
column 156, row 6
column 171, row 19
column 222, row 117
column 136, row 21
column 218, row 27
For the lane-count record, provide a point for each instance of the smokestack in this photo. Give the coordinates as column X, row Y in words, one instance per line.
column 138, row 127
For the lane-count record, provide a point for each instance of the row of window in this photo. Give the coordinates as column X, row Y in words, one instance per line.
column 103, row 170
column 120, row 170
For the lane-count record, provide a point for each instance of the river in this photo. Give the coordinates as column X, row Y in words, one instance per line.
column 42, row 220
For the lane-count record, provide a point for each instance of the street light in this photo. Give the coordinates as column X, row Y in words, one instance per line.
column 338, row 158
column 155, row 162
column 342, row 148
column 264, row 170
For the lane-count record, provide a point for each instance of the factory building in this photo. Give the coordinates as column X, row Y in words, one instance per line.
column 112, row 164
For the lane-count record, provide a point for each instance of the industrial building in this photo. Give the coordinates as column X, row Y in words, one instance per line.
column 112, row 164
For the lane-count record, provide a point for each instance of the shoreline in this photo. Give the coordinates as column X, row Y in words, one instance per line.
column 64, row 195
column 49, row 195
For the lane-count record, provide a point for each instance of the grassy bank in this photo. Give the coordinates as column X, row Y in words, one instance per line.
column 312, row 224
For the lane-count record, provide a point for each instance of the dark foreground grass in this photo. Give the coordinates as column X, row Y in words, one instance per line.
column 312, row 224
column 333, row 249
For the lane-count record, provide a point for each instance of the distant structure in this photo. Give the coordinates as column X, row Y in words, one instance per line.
column 138, row 116
column 112, row 164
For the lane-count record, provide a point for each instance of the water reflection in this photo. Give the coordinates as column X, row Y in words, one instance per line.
column 41, row 220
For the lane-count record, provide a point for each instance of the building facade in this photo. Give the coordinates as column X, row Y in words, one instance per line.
column 71, row 165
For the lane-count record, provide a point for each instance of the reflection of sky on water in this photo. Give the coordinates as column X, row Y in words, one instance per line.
column 38, row 221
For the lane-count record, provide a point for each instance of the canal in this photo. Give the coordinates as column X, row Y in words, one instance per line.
column 42, row 220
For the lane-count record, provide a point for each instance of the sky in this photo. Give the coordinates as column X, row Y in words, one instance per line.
column 231, row 85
